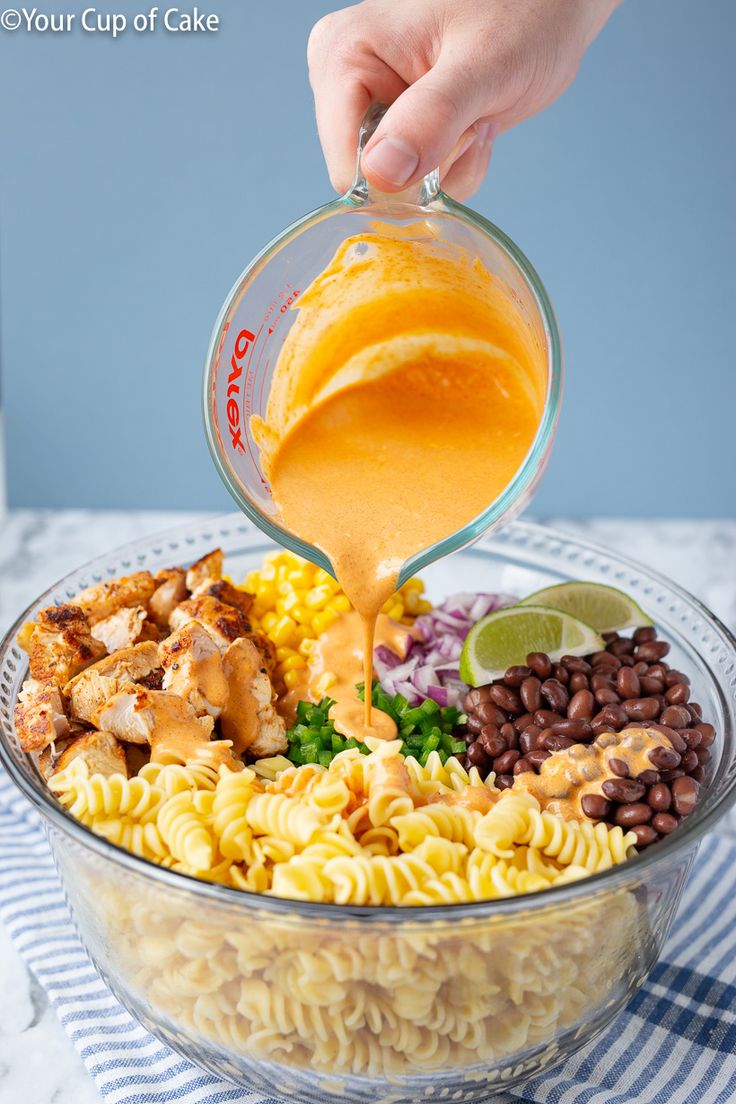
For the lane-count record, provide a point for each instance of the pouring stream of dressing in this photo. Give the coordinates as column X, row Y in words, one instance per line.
column 405, row 397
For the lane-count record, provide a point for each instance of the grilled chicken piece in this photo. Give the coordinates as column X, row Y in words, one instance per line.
column 225, row 592
column 102, row 753
column 267, row 648
column 223, row 623
column 193, row 669
column 39, row 715
column 104, row 599
column 120, row 629
column 50, row 755
column 139, row 716
column 171, row 589
column 209, row 567
column 60, row 645
column 250, row 719
column 88, row 692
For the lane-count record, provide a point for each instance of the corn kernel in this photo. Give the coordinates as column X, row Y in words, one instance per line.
column 325, row 681
column 339, row 604
column 317, row 597
column 269, row 621
column 306, row 647
column 292, row 679
column 322, row 621
column 284, row 652
column 294, row 662
column 282, row 631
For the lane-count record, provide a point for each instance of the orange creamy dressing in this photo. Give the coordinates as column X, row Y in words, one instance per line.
column 340, row 651
column 405, row 397
column 567, row 776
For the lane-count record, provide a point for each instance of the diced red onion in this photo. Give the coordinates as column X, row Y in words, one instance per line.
column 430, row 669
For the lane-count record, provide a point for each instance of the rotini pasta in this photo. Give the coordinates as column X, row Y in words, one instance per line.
column 372, row 829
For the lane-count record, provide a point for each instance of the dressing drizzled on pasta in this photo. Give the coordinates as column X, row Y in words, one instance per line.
column 405, row 397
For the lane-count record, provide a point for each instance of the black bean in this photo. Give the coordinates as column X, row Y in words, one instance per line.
column 575, row 663
column 645, row 634
column 649, row 777
column 652, row 650
column 595, row 806
column 522, row 765
column 606, row 696
column 651, row 685
column 604, row 661
column 673, row 735
column 477, row 756
column 505, row 763
column 491, row 714
column 515, row 675
column 672, row 677
column 553, row 742
column 561, row 674
column 619, row 767
column 641, row 709
column 623, row 789
column 578, row 681
column 540, row 663
column 636, row 812
column 530, row 693
column 664, row 823
column 645, row 834
column 707, row 733
column 492, row 741
column 581, row 706
column 685, row 793
column 660, row 797
column 677, row 694
column 547, row 717
column 627, row 683
column 614, row 715
column 689, row 761
column 506, row 698
column 537, row 757
column 664, row 758
column 577, row 730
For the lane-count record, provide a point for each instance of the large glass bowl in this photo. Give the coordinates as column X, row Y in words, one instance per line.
column 325, row 1002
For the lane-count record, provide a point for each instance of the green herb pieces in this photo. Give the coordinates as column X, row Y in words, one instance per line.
column 422, row 729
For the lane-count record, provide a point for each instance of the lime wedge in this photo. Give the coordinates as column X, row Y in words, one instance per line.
column 505, row 638
column 603, row 607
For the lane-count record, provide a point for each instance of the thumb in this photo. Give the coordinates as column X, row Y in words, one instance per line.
column 431, row 123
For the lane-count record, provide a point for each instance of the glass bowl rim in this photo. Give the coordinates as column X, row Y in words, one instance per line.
column 687, row 835
column 529, row 467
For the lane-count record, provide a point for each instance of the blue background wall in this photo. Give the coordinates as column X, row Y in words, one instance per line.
column 138, row 176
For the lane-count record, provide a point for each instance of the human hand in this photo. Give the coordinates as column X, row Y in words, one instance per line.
column 456, row 74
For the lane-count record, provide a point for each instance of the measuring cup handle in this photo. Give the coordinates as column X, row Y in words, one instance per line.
column 420, row 194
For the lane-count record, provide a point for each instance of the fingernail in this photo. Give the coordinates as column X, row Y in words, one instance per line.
column 391, row 159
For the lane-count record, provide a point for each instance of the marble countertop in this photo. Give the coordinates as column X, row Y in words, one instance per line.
column 38, row 1064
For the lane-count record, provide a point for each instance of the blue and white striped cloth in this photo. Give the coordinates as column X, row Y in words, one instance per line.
column 674, row 1044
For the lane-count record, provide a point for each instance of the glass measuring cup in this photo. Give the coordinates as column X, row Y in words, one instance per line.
column 256, row 317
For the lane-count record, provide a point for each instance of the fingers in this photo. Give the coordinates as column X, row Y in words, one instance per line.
column 465, row 175
column 345, row 80
column 423, row 127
